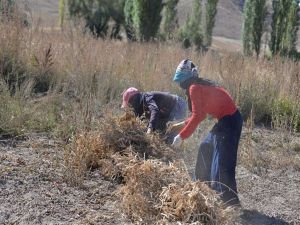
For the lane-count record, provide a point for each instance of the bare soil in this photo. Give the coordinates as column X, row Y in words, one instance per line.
column 268, row 176
column 33, row 189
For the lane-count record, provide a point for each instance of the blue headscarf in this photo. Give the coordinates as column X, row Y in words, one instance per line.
column 185, row 70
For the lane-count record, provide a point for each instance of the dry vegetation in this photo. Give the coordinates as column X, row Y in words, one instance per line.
column 68, row 84
column 154, row 186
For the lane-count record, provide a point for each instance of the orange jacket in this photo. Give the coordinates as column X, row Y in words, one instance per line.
column 212, row 100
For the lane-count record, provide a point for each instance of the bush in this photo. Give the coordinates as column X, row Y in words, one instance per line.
column 257, row 105
column 43, row 71
column 191, row 32
column 12, row 71
column 286, row 114
column 15, row 73
column 19, row 115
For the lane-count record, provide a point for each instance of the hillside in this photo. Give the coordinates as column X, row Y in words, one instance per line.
column 227, row 31
column 228, row 22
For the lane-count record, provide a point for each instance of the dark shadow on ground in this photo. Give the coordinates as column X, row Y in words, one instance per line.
column 253, row 217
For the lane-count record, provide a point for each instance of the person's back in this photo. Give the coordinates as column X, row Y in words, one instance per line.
column 158, row 107
column 161, row 102
column 207, row 99
column 213, row 100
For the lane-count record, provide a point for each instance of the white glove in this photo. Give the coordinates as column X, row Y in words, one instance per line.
column 149, row 131
column 177, row 141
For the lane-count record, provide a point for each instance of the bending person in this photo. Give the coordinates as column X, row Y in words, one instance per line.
column 217, row 155
column 158, row 107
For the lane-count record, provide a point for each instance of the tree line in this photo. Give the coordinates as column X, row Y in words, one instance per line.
column 143, row 20
column 284, row 27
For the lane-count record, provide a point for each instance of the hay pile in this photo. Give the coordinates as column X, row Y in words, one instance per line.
column 144, row 183
column 154, row 189
column 191, row 202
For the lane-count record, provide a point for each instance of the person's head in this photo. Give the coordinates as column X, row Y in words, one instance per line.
column 127, row 95
column 185, row 70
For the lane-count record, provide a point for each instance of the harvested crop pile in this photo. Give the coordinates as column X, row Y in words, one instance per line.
column 191, row 202
column 154, row 189
column 144, row 183
column 113, row 142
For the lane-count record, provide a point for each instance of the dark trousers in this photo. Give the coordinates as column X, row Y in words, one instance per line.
column 217, row 157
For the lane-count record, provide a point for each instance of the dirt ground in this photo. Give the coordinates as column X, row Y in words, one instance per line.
column 33, row 190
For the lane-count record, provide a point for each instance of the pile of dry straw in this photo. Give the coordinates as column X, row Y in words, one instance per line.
column 154, row 189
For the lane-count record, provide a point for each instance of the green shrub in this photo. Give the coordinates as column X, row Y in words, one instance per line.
column 98, row 15
column 286, row 114
column 43, row 72
column 15, row 73
column 257, row 104
column 12, row 71
column 191, row 32
column 19, row 115
column 296, row 147
column 10, row 114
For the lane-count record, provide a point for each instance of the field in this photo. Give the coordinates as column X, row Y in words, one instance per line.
column 34, row 188
column 68, row 157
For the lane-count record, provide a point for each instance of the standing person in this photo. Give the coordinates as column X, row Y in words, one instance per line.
column 217, row 154
column 158, row 107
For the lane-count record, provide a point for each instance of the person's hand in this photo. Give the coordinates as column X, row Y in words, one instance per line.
column 177, row 142
column 175, row 128
column 149, row 130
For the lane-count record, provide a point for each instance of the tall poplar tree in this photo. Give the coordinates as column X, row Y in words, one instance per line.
column 253, row 24
column 259, row 14
column 211, row 11
column 146, row 18
column 290, row 36
column 247, row 27
column 61, row 12
column 169, row 21
column 128, row 13
column 279, row 25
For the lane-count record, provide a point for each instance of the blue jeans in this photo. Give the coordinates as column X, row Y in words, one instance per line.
column 217, row 157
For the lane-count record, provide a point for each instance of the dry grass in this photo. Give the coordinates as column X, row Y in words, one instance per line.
column 192, row 202
column 144, row 182
column 83, row 66
column 154, row 186
column 154, row 191
column 104, row 148
column 89, row 74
